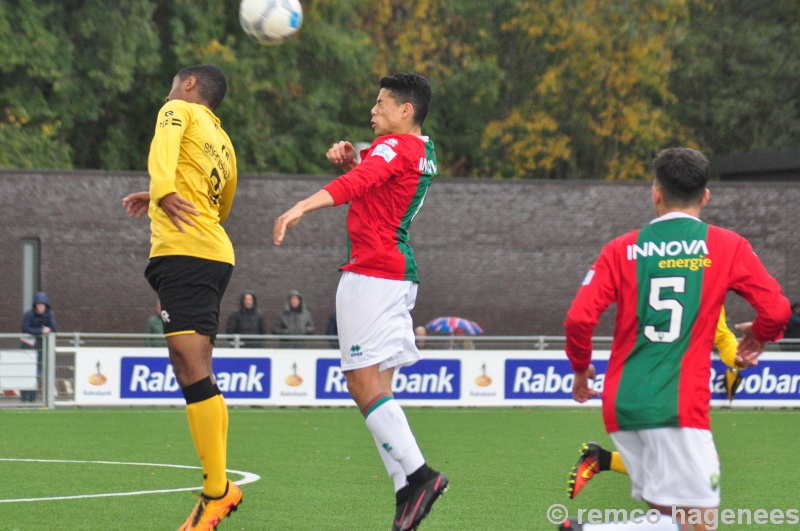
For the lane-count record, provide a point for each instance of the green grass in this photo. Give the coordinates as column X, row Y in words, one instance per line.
column 319, row 468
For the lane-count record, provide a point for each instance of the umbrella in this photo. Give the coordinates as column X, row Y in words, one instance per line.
column 450, row 324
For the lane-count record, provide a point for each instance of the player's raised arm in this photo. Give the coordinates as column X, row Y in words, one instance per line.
column 291, row 217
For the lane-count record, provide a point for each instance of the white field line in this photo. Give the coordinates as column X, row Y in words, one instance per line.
column 247, row 477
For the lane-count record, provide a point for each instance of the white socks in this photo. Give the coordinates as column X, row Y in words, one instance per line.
column 392, row 467
column 389, row 426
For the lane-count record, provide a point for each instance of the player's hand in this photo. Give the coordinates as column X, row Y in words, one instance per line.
column 581, row 390
column 176, row 208
column 749, row 347
column 136, row 204
column 291, row 217
column 343, row 154
column 288, row 219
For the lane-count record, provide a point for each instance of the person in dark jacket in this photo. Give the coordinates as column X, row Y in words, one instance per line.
column 333, row 330
column 295, row 319
column 792, row 329
column 155, row 326
column 248, row 320
column 38, row 322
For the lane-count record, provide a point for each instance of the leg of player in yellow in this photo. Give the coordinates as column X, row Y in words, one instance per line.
column 593, row 460
column 190, row 355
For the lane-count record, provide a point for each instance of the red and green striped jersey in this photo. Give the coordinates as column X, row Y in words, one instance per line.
column 669, row 281
column 385, row 192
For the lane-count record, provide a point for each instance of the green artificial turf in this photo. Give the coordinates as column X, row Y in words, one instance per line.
column 320, row 471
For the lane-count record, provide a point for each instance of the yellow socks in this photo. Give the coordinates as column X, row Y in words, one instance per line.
column 616, row 464
column 208, row 422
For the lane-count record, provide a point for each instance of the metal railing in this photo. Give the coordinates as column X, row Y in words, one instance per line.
column 27, row 370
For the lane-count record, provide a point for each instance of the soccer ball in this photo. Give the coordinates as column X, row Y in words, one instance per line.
column 270, row 21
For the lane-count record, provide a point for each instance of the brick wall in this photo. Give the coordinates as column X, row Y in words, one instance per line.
column 507, row 254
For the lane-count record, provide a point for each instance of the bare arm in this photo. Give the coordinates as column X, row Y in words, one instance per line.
column 291, row 217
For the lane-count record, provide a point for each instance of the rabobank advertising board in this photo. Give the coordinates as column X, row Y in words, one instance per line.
column 268, row 377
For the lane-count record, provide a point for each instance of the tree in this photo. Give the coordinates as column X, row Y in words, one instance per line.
column 738, row 75
column 522, row 88
column 453, row 44
column 596, row 103
column 30, row 70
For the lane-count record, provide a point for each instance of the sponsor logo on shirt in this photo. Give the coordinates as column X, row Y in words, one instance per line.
column 427, row 166
column 391, row 141
column 674, row 248
column 384, row 151
column 170, row 119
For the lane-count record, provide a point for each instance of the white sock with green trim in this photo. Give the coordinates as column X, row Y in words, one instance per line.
column 392, row 467
column 389, row 426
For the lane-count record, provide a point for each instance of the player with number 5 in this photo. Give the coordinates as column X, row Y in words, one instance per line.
column 669, row 281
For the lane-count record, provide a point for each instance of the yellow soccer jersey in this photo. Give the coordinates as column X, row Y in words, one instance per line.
column 725, row 341
column 190, row 154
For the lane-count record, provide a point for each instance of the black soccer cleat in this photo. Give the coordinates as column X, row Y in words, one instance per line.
column 399, row 516
column 422, row 499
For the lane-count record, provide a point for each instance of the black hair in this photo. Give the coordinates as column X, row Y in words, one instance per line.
column 682, row 175
column 211, row 82
column 410, row 88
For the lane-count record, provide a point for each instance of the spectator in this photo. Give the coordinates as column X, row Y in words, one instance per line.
column 38, row 321
column 155, row 326
column 792, row 329
column 460, row 340
column 248, row 320
column 420, row 334
column 333, row 330
column 295, row 319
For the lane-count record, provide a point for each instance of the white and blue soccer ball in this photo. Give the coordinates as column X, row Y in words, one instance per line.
column 270, row 21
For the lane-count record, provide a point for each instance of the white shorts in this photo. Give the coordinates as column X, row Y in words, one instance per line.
column 671, row 466
column 374, row 320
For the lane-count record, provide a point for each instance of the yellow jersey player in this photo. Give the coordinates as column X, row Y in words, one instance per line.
column 192, row 170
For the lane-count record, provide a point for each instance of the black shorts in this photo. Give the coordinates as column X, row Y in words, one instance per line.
column 190, row 291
